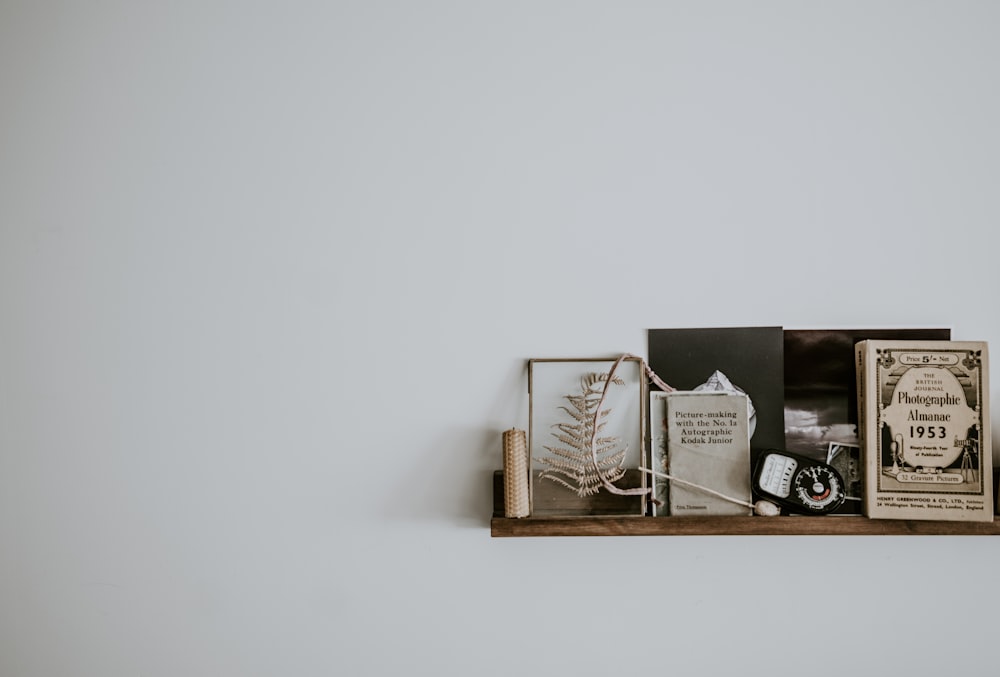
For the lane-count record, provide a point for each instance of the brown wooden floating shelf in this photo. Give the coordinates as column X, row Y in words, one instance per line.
column 830, row 525
column 833, row 525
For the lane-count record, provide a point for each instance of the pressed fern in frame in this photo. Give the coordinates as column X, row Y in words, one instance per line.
column 564, row 397
column 572, row 465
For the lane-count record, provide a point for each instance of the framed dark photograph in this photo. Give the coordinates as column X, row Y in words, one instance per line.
column 821, row 395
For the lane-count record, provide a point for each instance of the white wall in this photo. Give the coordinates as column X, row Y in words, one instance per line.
column 269, row 273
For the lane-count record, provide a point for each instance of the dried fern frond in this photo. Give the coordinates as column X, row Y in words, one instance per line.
column 573, row 465
column 565, row 461
column 590, row 380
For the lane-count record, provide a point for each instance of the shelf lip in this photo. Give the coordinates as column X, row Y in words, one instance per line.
column 833, row 525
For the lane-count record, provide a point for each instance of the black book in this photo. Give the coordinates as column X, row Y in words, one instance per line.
column 751, row 358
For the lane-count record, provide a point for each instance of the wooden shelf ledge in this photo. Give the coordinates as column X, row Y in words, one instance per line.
column 832, row 525
column 636, row 525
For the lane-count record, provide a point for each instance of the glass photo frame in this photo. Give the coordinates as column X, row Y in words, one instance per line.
column 563, row 397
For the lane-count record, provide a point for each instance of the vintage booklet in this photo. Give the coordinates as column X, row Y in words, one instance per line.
column 925, row 433
column 704, row 438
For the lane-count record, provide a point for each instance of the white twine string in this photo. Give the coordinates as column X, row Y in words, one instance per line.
column 713, row 492
column 639, row 491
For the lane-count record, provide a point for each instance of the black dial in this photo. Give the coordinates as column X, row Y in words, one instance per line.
column 819, row 488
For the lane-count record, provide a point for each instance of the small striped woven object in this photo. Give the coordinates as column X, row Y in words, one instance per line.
column 515, row 474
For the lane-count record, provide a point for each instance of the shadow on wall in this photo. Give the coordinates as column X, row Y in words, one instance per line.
column 453, row 482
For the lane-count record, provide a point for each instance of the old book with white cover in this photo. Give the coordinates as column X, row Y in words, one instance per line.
column 703, row 438
column 925, row 431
